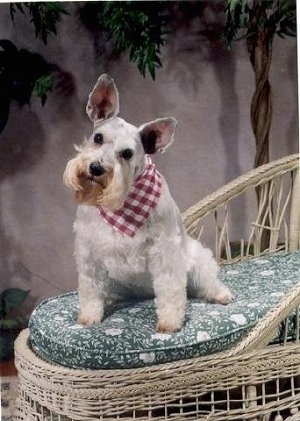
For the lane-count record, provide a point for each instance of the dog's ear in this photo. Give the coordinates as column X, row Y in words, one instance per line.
column 103, row 101
column 158, row 134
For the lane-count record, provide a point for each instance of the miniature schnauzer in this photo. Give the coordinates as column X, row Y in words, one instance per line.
column 129, row 237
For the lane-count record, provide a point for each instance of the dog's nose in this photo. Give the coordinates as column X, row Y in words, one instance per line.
column 96, row 169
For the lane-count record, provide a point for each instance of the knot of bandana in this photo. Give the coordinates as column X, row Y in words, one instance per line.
column 142, row 199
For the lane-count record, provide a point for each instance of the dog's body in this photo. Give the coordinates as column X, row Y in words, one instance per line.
column 154, row 259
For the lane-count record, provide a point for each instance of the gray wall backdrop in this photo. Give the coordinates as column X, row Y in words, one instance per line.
column 202, row 84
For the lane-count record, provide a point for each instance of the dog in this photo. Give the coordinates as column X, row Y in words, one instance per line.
column 129, row 237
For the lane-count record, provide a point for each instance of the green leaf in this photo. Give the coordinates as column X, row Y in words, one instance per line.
column 44, row 15
column 276, row 16
column 231, row 4
column 137, row 28
column 13, row 9
column 11, row 298
column 42, row 86
column 13, row 323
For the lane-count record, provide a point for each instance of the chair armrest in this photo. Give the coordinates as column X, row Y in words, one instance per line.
column 279, row 185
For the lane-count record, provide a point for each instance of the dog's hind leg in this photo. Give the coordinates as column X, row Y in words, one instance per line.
column 203, row 272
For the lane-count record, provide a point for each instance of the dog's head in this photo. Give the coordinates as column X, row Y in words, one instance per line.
column 108, row 162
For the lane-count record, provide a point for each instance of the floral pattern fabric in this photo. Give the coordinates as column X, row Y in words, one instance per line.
column 126, row 338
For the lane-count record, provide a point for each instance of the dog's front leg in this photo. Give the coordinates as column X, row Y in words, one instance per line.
column 169, row 282
column 91, row 300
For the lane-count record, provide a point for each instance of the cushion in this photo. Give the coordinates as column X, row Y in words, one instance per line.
column 127, row 338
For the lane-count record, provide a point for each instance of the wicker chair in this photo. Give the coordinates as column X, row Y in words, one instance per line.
column 255, row 380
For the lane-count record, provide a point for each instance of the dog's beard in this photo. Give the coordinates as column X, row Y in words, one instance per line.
column 92, row 190
column 108, row 190
column 114, row 195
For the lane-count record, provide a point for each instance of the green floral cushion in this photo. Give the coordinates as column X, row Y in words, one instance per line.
column 126, row 338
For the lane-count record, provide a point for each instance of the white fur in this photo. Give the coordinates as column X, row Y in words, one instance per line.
column 160, row 261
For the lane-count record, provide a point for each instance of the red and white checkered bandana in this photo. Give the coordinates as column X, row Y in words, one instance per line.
column 142, row 199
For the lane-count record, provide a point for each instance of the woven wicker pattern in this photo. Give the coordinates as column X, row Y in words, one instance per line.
column 253, row 381
column 278, row 210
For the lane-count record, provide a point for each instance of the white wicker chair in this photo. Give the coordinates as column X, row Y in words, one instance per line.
column 252, row 381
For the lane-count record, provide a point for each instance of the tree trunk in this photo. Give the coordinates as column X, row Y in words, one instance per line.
column 259, row 43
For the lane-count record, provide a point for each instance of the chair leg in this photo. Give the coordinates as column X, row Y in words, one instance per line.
column 251, row 399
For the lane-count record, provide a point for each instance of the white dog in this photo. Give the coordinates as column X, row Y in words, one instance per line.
column 129, row 236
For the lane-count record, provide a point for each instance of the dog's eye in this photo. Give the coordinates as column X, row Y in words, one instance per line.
column 126, row 154
column 98, row 138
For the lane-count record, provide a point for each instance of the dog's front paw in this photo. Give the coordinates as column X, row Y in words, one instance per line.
column 167, row 327
column 88, row 320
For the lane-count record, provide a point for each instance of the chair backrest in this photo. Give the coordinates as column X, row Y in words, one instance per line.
column 257, row 213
